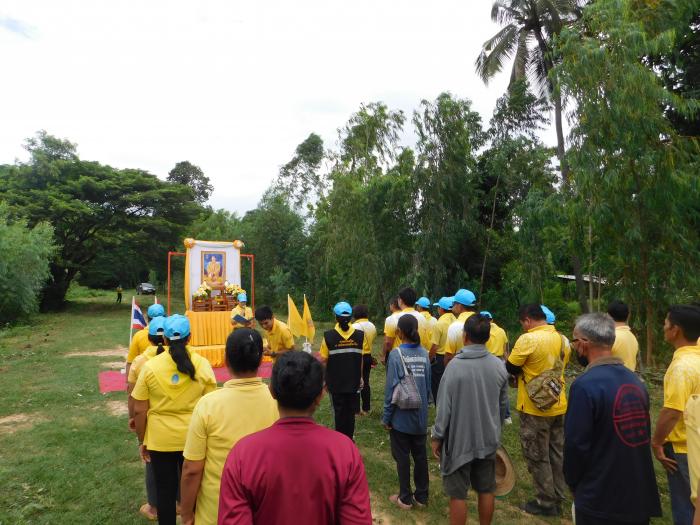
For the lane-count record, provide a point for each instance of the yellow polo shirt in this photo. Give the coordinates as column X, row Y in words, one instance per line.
column 440, row 332
column 172, row 396
column 370, row 334
column 139, row 343
column 537, row 351
column 497, row 340
column 455, row 333
column 138, row 363
column 280, row 337
column 219, row 420
column 681, row 381
column 691, row 416
column 424, row 330
column 626, row 346
column 246, row 312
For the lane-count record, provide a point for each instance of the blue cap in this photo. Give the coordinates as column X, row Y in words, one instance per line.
column 157, row 326
column 177, row 327
column 342, row 309
column 445, row 303
column 465, row 297
column 156, row 310
column 423, row 302
column 486, row 313
column 549, row 315
column 243, row 298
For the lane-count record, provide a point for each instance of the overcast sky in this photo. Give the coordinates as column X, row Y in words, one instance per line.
column 230, row 86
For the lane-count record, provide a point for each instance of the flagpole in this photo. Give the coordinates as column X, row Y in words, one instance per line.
column 131, row 317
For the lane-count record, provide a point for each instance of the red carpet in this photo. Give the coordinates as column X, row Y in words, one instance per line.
column 115, row 381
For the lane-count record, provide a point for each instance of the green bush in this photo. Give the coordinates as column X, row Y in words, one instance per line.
column 24, row 265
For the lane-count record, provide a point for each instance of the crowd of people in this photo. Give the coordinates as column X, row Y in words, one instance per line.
column 249, row 453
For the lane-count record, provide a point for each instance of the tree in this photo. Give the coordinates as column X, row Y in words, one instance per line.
column 300, row 179
column 188, row 174
column 93, row 209
column 636, row 177
column 24, row 265
column 529, row 28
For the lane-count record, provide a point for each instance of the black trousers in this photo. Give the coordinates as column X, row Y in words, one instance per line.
column 345, row 406
column 366, row 393
column 585, row 519
column 167, row 467
column 403, row 446
column 437, row 368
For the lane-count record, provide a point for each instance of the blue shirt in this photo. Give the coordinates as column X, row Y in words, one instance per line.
column 407, row 421
column 607, row 457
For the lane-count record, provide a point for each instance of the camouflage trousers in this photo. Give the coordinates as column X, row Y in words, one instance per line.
column 542, row 439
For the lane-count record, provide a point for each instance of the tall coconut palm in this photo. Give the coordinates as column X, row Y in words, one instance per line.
column 528, row 28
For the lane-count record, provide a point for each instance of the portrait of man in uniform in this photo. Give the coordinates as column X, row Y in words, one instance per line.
column 214, row 268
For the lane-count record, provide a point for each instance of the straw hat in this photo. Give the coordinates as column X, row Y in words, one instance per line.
column 505, row 473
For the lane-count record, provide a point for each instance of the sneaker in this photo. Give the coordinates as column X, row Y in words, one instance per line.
column 394, row 498
column 508, row 421
column 534, row 507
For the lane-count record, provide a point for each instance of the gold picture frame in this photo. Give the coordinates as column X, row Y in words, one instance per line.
column 214, row 269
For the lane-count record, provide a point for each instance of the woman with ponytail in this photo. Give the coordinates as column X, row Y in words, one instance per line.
column 166, row 392
column 341, row 351
column 408, row 428
column 155, row 330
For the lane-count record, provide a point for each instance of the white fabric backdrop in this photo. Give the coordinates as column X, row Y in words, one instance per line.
column 232, row 272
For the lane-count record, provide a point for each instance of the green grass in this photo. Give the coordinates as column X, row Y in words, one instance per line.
column 72, row 460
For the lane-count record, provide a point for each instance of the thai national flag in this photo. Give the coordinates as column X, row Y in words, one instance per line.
column 138, row 321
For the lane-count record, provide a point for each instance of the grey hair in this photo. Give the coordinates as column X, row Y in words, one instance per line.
column 598, row 328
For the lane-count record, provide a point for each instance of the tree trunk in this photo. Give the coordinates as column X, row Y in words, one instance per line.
column 53, row 296
column 488, row 237
column 561, row 145
column 580, row 284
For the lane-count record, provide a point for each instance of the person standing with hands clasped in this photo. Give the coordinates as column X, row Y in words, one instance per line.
column 470, row 411
column 341, row 351
column 607, row 460
column 408, row 427
column 165, row 394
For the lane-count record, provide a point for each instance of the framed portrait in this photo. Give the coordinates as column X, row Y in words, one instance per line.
column 214, row 268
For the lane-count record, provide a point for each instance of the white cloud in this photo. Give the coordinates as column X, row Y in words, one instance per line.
column 230, row 86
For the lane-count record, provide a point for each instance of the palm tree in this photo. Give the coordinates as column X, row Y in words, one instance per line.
column 529, row 26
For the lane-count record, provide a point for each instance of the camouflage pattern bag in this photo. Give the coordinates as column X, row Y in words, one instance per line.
column 544, row 390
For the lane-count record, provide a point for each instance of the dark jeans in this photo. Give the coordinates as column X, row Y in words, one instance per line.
column 119, row 298
column 366, row 391
column 585, row 519
column 166, row 468
column 402, row 447
column 679, row 488
column 345, row 407
column 437, row 368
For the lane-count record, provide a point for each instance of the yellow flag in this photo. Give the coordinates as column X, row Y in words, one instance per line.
column 294, row 321
column 310, row 328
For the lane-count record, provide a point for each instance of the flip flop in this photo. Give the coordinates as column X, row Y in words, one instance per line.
column 145, row 511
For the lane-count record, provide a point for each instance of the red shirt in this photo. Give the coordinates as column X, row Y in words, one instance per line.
column 294, row 472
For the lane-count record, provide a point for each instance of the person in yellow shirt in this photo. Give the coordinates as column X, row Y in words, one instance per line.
column 438, row 342
column 119, row 294
column 539, row 349
column 682, row 380
column 279, row 336
column 463, row 307
column 498, row 346
column 156, row 329
column 691, row 418
column 423, row 307
column 626, row 346
column 243, row 406
column 165, row 395
column 406, row 300
column 360, row 314
column 242, row 310
column 139, row 342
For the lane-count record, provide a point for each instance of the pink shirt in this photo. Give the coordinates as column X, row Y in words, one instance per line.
column 294, row 472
